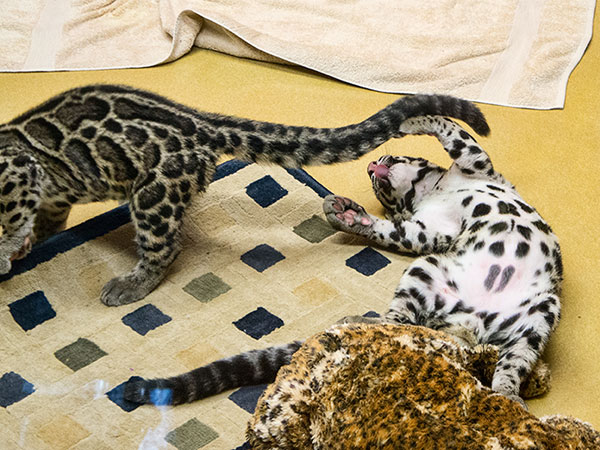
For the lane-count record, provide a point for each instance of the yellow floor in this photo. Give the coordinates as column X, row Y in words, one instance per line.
column 553, row 157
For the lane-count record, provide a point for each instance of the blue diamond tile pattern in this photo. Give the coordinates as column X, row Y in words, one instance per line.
column 265, row 191
column 32, row 310
column 13, row 388
column 258, row 323
column 261, row 257
column 367, row 261
column 247, row 397
column 145, row 319
column 116, row 396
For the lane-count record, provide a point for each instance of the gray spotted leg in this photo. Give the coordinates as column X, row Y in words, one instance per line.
column 157, row 213
column 519, row 355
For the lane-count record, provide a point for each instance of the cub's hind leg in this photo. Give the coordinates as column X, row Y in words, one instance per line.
column 521, row 339
column 157, row 211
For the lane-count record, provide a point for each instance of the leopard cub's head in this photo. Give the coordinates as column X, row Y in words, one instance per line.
column 399, row 182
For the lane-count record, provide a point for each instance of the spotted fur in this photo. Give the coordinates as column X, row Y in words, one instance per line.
column 489, row 262
column 102, row 142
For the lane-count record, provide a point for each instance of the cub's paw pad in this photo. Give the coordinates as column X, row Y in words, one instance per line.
column 345, row 214
column 120, row 291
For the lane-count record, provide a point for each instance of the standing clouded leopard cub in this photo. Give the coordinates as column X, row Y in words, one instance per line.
column 490, row 264
column 104, row 142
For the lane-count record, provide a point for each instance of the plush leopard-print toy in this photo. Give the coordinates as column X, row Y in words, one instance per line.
column 491, row 265
column 104, row 142
column 394, row 387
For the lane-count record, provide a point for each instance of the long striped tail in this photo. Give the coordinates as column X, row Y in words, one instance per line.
column 245, row 369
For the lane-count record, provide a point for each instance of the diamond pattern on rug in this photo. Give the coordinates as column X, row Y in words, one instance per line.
column 32, row 310
column 367, row 261
column 314, row 229
column 145, row 319
column 14, row 388
column 79, row 354
column 206, row 287
column 192, row 435
column 292, row 283
column 258, row 323
column 63, row 432
column 247, row 397
column 265, row 191
column 262, row 257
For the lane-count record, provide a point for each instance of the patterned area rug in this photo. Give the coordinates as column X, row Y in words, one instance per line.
column 260, row 266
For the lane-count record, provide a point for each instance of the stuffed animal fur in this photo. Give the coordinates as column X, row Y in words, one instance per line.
column 359, row 386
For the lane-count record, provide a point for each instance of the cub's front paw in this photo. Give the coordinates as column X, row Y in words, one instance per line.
column 121, row 291
column 346, row 215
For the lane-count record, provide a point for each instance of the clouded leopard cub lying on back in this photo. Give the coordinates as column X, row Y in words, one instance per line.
column 104, row 142
column 489, row 264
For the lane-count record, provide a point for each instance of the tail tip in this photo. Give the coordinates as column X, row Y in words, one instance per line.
column 141, row 391
column 135, row 390
column 481, row 127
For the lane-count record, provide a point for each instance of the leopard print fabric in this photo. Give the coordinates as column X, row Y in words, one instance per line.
column 489, row 262
column 389, row 386
column 103, row 142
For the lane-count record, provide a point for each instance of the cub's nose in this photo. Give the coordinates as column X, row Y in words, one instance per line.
column 380, row 170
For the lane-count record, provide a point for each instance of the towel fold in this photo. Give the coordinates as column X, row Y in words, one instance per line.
column 510, row 52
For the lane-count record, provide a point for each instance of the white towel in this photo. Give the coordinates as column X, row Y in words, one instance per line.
column 508, row 52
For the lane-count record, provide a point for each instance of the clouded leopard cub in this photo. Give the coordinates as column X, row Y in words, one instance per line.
column 104, row 142
column 489, row 264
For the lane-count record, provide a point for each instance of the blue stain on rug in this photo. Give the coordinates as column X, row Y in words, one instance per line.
column 265, row 191
column 32, row 310
column 13, row 388
column 145, row 319
column 258, row 323
column 367, row 261
column 262, row 257
column 247, row 397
